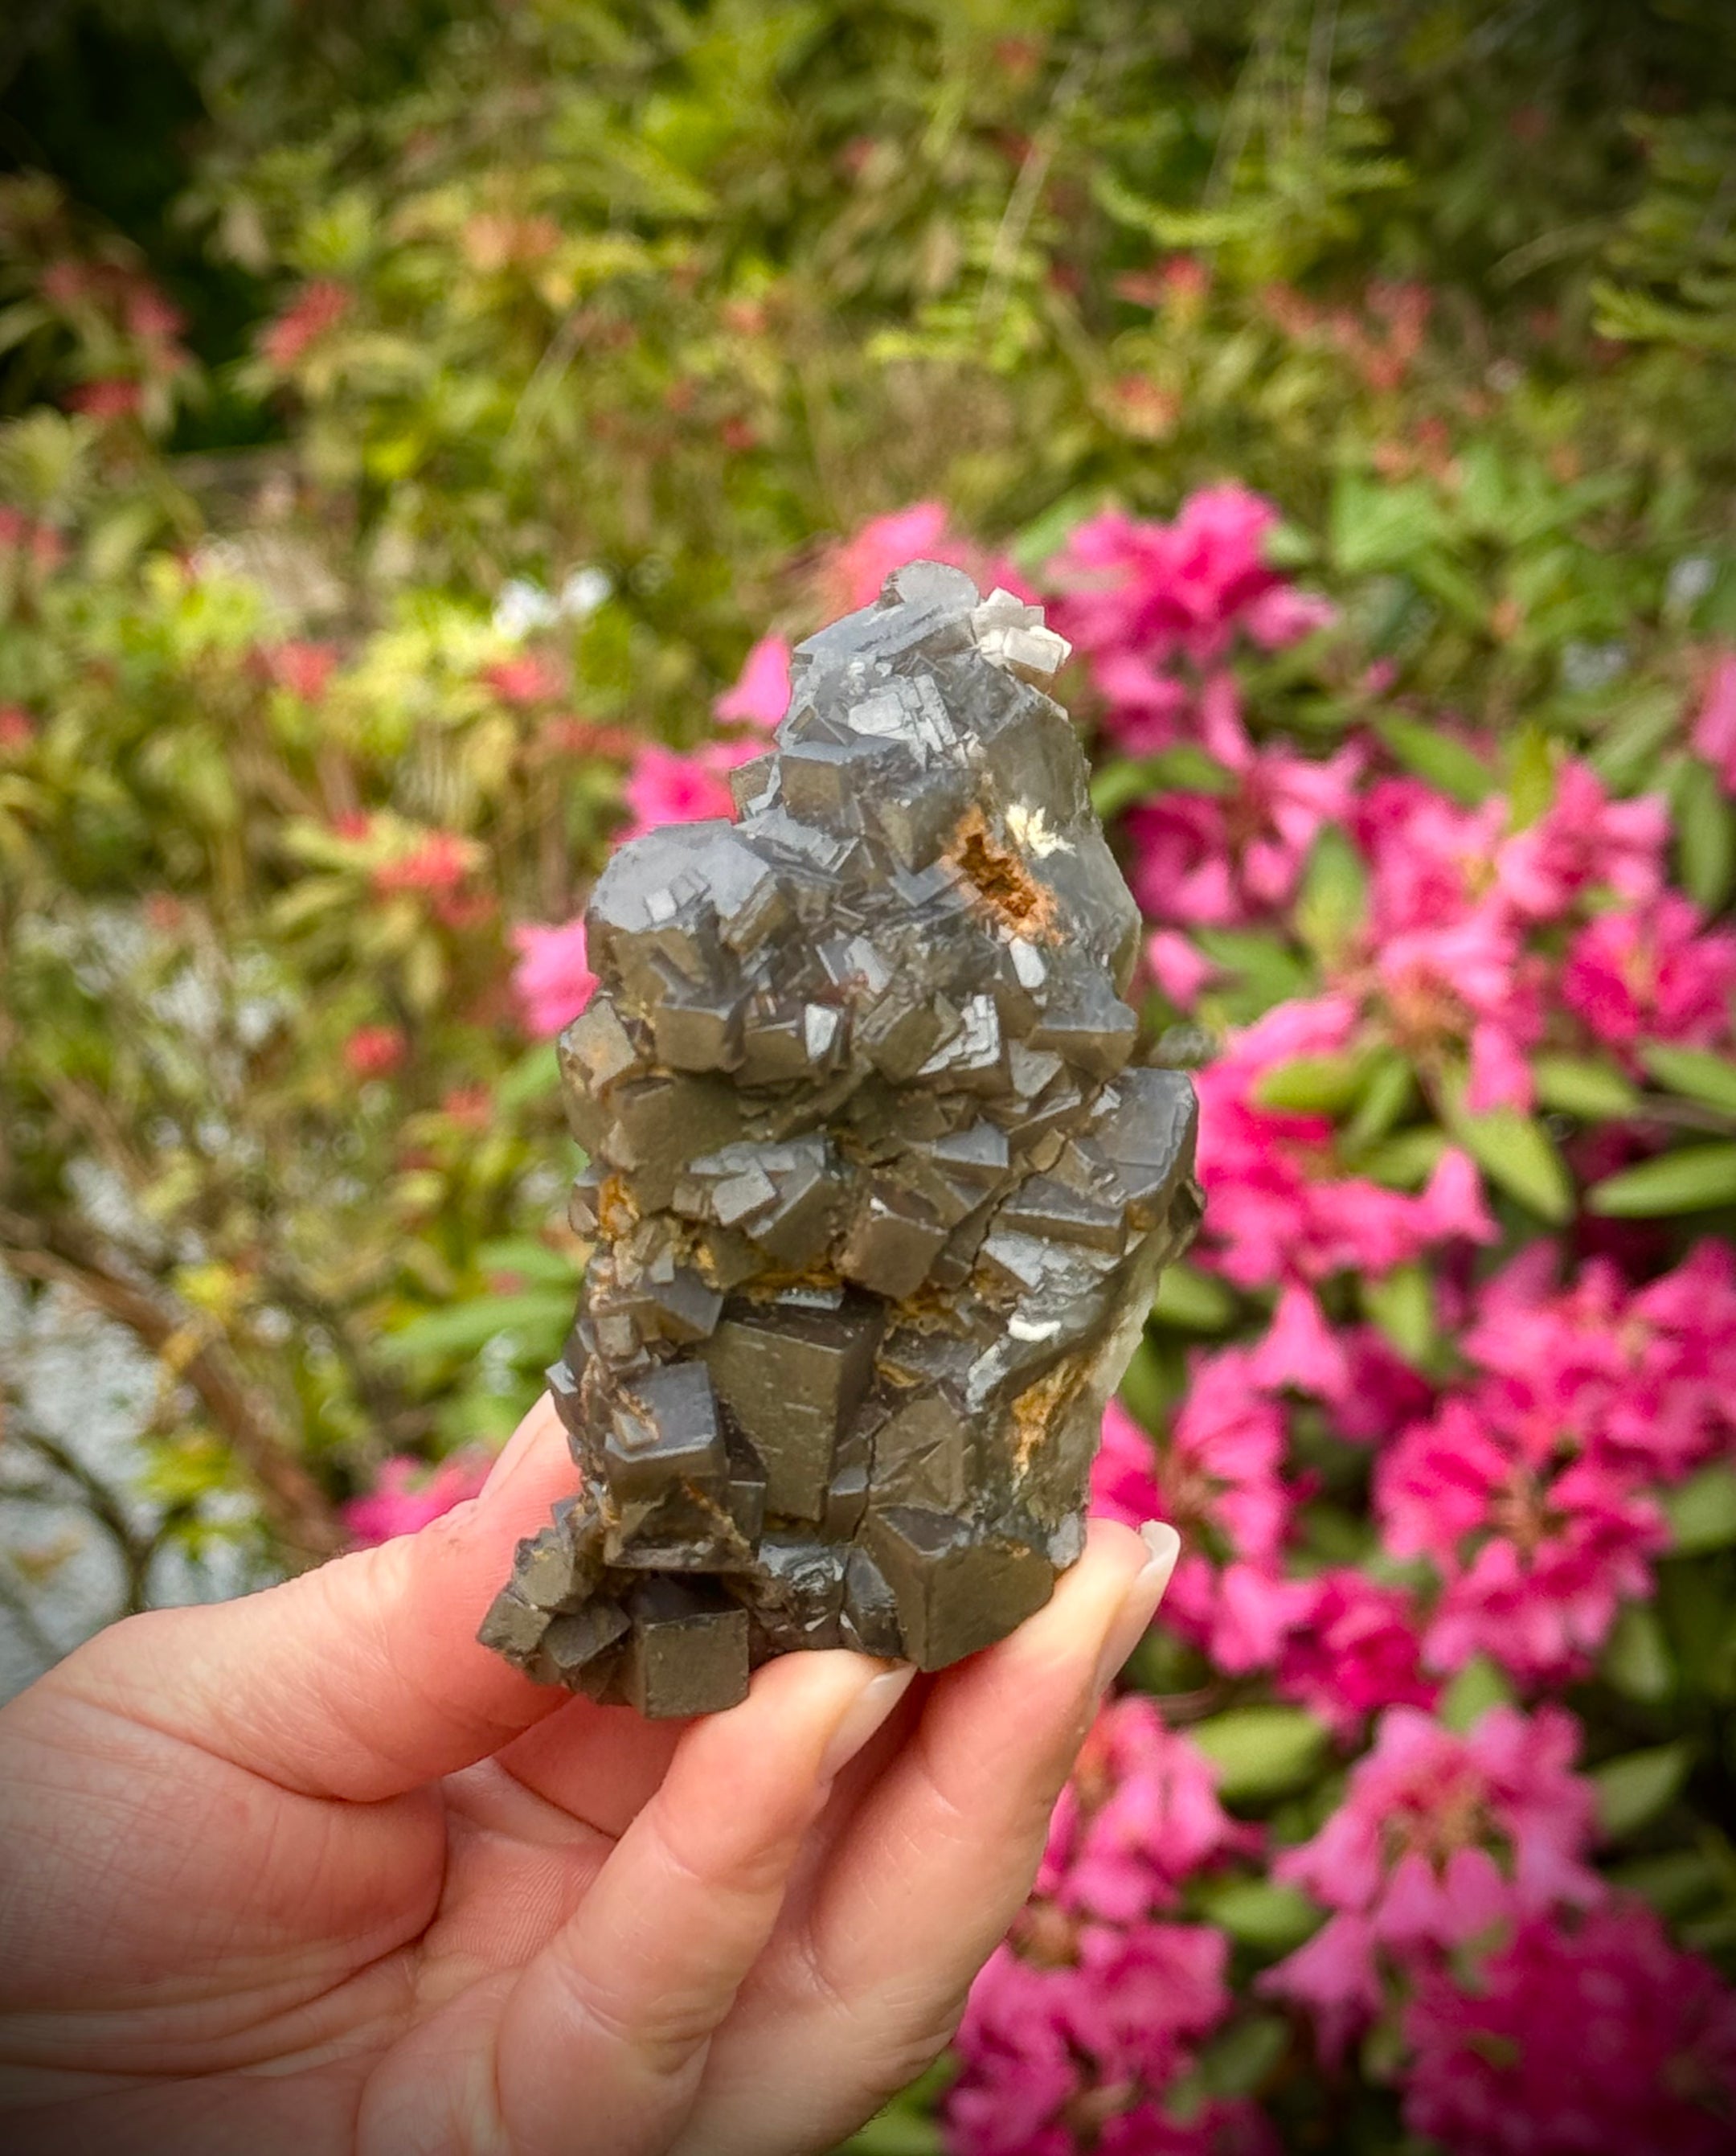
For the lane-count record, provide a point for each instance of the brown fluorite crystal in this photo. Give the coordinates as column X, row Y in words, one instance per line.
column 878, row 1191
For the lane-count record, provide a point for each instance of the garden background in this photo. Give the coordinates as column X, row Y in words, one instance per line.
column 422, row 427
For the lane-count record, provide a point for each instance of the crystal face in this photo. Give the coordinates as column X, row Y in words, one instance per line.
column 879, row 1190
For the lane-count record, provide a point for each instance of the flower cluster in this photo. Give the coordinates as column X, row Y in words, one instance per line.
column 1593, row 2036
column 1097, row 2003
column 1517, row 1481
column 1441, row 1839
column 1157, row 608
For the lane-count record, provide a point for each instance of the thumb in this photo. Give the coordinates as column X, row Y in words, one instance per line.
column 362, row 1679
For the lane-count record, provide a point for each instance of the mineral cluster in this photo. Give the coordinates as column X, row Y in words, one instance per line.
column 879, row 1190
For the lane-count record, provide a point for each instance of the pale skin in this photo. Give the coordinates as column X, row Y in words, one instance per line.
column 313, row 1872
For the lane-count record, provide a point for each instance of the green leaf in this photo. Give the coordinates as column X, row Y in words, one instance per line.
column 535, row 1073
column 1046, row 535
column 530, row 1260
column 1635, row 1658
column 1259, row 1913
column 1333, row 902
column 541, row 1314
column 896, row 2132
column 1437, row 758
column 1185, row 768
column 1272, row 972
column 1675, row 1882
column 1390, row 1090
column 1630, row 745
column 1402, row 1305
column 1477, row 1687
column 1705, row 836
column 1378, row 526
column 1695, row 1073
column 905, row 2127
column 1691, row 1180
column 1313, row 1084
column 1406, row 1161
column 1192, row 1300
column 1578, row 1086
column 1632, row 1791
column 1262, row 1753
column 1702, row 1511
column 1240, row 2057
column 1516, row 1151
column 1530, row 776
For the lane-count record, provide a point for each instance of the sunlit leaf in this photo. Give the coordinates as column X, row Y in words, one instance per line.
column 1632, row 1791
column 1694, row 1180
column 1695, row 1073
column 1262, row 1753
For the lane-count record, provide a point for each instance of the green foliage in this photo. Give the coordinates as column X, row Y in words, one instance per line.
column 1261, row 1753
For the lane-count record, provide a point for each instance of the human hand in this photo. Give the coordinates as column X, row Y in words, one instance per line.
column 315, row 1873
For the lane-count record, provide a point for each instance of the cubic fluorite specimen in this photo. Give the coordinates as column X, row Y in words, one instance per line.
column 878, row 1192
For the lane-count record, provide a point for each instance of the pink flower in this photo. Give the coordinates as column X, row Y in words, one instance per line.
column 1536, row 1544
column 150, row 315
column 20, row 536
column 1714, row 735
column 1139, row 1816
column 857, row 568
column 406, row 1495
column 1444, row 948
column 438, row 862
column 1137, row 596
column 762, row 693
column 1074, row 2048
column 374, row 1051
column 1220, row 1467
column 17, row 729
column 1085, row 2017
column 1300, row 1349
column 1216, row 1477
column 1383, row 1394
column 1645, row 1379
column 304, row 668
column 1277, row 1208
column 860, row 565
column 527, row 678
column 1141, row 1991
column 1652, row 972
column 1186, row 587
column 316, row 310
column 1440, row 1840
column 665, row 786
column 1452, row 1204
column 552, row 980
column 1592, row 2037
column 1584, row 841
column 106, row 400
column 1222, row 860
column 1357, row 1648
column 1179, row 968
column 1123, row 1476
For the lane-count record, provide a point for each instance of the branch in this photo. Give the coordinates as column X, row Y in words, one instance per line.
column 294, row 1503
column 104, row 1507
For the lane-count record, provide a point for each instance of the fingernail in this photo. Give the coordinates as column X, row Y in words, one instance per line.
column 863, row 1717
column 1142, row 1596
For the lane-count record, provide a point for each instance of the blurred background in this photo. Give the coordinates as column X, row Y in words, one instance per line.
column 423, row 427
